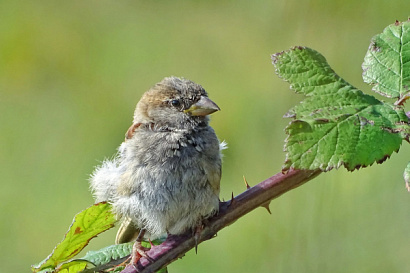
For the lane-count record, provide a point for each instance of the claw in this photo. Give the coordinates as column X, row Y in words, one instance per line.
column 150, row 242
column 138, row 250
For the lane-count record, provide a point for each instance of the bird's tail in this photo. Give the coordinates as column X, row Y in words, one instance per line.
column 127, row 232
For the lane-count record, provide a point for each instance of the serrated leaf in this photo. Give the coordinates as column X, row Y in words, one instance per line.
column 111, row 253
column 107, row 254
column 387, row 61
column 85, row 226
column 336, row 124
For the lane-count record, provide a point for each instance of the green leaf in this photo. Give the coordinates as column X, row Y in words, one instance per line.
column 96, row 258
column 337, row 124
column 406, row 176
column 387, row 61
column 107, row 254
column 72, row 267
column 86, row 225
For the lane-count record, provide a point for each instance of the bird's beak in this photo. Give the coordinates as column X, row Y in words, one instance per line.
column 202, row 107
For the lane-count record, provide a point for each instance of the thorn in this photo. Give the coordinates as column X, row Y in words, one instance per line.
column 232, row 200
column 196, row 244
column 197, row 236
column 266, row 206
column 246, row 183
column 149, row 240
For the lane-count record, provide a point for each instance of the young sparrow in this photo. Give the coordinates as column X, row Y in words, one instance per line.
column 165, row 178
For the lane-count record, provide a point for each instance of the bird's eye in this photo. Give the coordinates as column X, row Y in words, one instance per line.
column 175, row 103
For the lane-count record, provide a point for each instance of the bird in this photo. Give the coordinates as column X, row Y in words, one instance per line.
column 165, row 176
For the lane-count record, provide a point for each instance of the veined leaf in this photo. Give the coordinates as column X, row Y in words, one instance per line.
column 95, row 258
column 387, row 62
column 86, row 225
column 336, row 124
column 72, row 267
column 108, row 254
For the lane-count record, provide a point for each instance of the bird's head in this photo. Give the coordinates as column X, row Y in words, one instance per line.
column 175, row 103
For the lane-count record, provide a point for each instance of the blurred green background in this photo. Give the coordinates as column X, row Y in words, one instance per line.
column 71, row 73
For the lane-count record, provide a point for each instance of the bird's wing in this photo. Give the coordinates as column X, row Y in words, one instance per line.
column 213, row 171
column 130, row 132
column 215, row 181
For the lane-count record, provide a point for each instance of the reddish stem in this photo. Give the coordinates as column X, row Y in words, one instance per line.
column 176, row 246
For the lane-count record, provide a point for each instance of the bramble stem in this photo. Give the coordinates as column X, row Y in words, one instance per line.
column 176, row 246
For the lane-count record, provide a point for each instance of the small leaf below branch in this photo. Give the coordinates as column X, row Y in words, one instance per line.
column 86, row 225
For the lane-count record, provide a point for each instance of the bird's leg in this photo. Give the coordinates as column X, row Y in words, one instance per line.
column 138, row 250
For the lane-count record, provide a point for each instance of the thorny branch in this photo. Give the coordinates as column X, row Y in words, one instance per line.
column 175, row 246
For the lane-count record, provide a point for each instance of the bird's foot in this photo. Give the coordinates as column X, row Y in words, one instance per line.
column 139, row 251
